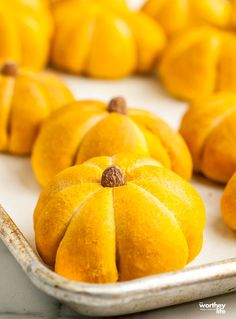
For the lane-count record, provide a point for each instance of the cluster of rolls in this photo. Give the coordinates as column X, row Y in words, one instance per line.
column 116, row 203
column 89, row 37
column 115, row 180
column 106, row 39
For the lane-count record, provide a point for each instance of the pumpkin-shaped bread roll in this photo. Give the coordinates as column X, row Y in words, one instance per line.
column 172, row 15
column 118, row 218
column 25, row 32
column 208, row 128
column 106, row 40
column 85, row 129
column 213, row 12
column 176, row 15
column 228, row 203
column 26, row 99
column 196, row 63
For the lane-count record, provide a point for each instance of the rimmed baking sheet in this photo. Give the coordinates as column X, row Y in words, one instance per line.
column 19, row 191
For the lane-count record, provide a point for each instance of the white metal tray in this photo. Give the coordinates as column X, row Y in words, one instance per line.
column 213, row 272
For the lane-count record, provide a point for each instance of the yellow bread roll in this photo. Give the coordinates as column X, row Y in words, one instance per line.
column 208, row 128
column 88, row 128
column 196, row 63
column 177, row 15
column 118, row 218
column 172, row 15
column 25, row 32
column 106, row 40
column 26, row 99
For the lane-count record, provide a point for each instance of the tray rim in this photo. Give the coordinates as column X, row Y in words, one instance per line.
column 114, row 294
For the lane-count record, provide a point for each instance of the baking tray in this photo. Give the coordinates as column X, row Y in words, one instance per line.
column 213, row 272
